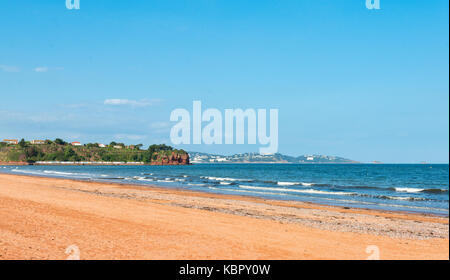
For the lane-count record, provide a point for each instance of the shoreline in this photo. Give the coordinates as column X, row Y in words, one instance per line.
column 234, row 220
column 238, row 197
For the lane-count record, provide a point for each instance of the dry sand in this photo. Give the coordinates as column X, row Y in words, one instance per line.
column 41, row 217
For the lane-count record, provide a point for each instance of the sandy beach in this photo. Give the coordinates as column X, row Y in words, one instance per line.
column 41, row 217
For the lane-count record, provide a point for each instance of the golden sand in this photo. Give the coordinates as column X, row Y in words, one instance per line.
column 41, row 217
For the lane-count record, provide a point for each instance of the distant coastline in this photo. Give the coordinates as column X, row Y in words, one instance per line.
column 256, row 158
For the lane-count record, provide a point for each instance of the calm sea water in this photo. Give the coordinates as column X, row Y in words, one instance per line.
column 405, row 187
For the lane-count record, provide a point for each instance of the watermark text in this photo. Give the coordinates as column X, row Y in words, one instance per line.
column 228, row 129
column 73, row 4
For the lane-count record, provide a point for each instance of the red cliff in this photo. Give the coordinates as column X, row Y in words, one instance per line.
column 172, row 159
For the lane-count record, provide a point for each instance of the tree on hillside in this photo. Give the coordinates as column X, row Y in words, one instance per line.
column 157, row 148
column 22, row 143
column 71, row 155
column 59, row 141
column 32, row 153
column 92, row 145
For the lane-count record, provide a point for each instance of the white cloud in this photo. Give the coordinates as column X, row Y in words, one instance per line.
column 137, row 103
column 41, row 69
column 11, row 69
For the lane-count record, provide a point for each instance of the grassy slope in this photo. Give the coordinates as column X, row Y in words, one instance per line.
column 54, row 152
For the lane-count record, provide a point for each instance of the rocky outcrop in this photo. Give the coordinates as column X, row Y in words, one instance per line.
column 172, row 159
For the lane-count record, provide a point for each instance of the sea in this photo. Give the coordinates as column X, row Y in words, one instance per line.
column 418, row 188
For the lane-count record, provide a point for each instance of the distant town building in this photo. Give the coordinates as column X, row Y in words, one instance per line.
column 118, row 147
column 310, row 158
column 102, row 145
column 38, row 142
column 76, row 144
column 11, row 141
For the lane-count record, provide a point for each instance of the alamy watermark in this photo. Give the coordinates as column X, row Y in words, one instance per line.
column 73, row 4
column 374, row 253
column 73, row 253
column 225, row 130
column 373, row 4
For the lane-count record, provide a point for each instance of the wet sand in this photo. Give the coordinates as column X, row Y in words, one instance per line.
column 41, row 217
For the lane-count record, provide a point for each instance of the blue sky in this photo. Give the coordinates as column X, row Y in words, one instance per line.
column 348, row 81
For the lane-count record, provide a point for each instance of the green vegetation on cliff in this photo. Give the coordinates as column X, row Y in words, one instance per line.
column 60, row 150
